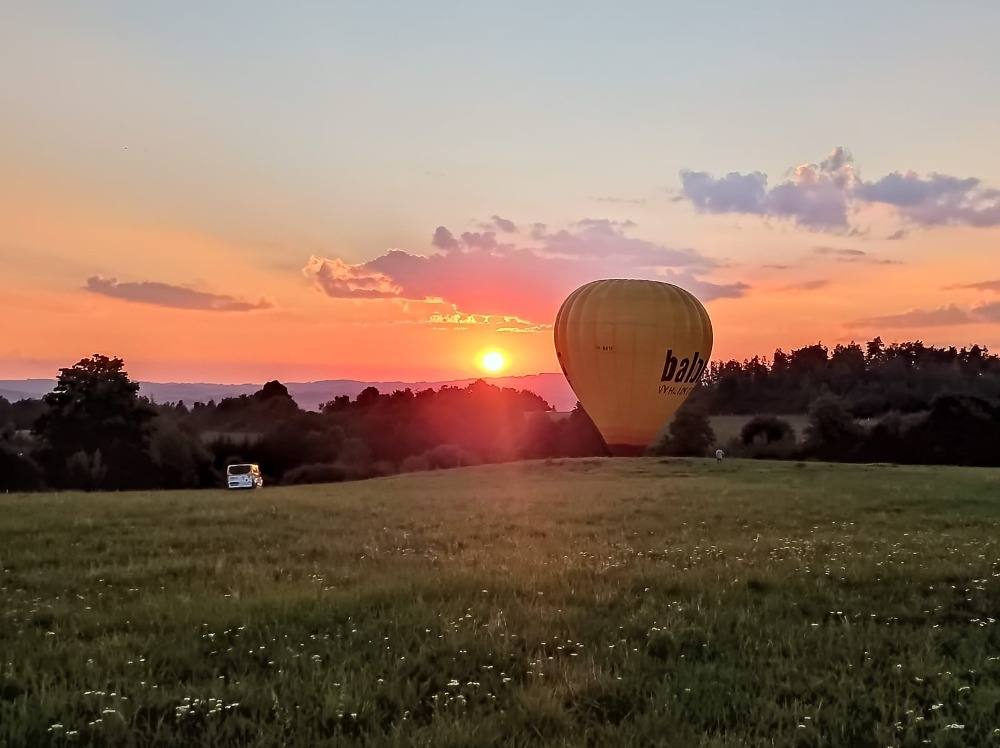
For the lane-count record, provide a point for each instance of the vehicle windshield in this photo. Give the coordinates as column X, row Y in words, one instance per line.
column 239, row 469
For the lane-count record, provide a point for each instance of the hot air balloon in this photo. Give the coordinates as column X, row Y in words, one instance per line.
column 632, row 350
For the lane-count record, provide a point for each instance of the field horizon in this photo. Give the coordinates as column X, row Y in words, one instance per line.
column 556, row 602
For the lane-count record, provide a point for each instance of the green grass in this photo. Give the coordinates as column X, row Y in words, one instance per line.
column 601, row 602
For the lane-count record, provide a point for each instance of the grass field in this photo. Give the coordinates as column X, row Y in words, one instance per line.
column 602, row 602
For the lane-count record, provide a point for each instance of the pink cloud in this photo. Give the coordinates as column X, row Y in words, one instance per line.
column 343, row 281
column 528, row 282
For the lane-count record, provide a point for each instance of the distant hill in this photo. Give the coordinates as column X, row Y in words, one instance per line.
column 551, row 387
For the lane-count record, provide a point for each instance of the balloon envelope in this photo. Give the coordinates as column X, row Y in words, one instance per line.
column 632, row 350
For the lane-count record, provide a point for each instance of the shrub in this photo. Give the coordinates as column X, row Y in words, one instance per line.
column 767, row 437
column 689, row 435
column 765, row 430
column 18, row 472
column 832, row 432
column 317, row 472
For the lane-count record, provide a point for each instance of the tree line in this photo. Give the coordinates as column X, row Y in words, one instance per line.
column 95, row 432
column 905, row 402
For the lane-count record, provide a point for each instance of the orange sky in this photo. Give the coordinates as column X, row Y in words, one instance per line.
column 301, row 332
column 263, row 194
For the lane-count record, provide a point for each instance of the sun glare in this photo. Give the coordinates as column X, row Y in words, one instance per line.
column 493, row 361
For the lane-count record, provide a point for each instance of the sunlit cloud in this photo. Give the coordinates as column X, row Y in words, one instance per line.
column 525, row 278
column 340, row 280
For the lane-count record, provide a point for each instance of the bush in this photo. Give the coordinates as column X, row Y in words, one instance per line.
column 415, row 464
column 766, row 437
column 18, row 472
column 832, row 432
column 317, row 472
column 181, row 457
column 765, row 430
column 441, row 457
column 690, row 434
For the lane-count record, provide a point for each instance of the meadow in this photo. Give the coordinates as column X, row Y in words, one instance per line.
column 564, row 602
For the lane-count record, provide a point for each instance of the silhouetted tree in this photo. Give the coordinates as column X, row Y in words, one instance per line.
column 766, row 430
column 18, row 472
column 96, row 426
column 832, row 432
column 689, row 434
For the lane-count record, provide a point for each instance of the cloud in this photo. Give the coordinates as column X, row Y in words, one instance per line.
column 733, row 193
column 525, row 279
column 896, row 235
column 443, row 239
column 620, row 200
column 852, row 255
column 508, row 227
column 809, row 285
column 167, row 295
column 343, row 281
column 814, row 196
column 991, row 285
column 821, row 197
column 944, row 316
column 988, row 312
column 838, row 251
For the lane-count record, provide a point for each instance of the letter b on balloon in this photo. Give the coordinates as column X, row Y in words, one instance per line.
column 632, row 350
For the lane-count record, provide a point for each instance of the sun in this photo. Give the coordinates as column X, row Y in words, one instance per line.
column 493, row 361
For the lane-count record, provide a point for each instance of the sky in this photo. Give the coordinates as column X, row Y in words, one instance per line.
column 243, row 191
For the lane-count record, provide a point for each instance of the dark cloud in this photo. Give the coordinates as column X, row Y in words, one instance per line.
column 443, row 239
column 821, row 196
column 896, row 235
column 936, row 199
column 852, row 255
column 776, row 267
column 840, row 252
column 991, row 285
column 480, row 240
column 733, row 193
column 809, row 285
column 814, row 196
column 946, row 315
column 988, row 312
column 508, row 227
column 165, row 294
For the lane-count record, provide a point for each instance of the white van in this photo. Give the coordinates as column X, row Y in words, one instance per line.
column 244, row 476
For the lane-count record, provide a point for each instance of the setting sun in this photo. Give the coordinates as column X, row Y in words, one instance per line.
column 493, row 361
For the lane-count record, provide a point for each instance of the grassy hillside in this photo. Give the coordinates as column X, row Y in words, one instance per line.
column 676, row 602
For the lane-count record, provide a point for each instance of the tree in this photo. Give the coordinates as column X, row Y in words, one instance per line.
column 832, row 432
column 690, row 433
column 766, row 430
column 96, row 421
column 271, row 390
column 18, row 472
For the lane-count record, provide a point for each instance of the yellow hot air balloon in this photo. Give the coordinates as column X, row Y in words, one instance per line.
column 632, row 350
